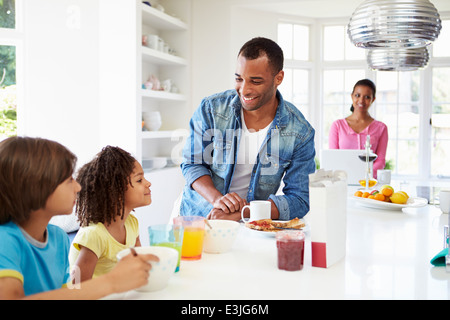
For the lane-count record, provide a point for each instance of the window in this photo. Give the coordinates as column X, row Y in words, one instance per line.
column 8, row 14
column 416, row 110
column 8, row 107
column 337, row 45
column 337, row 90
column 294, row 40
column 8, row 97
column 439, row 131
column 397, row 105
column 440, row 122
column 343, row 66
column 441, row 46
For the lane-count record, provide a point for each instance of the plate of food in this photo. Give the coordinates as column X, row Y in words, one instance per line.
column 412, row 202
column 269, row 227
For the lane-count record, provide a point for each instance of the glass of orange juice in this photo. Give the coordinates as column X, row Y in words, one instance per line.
column 194, row 230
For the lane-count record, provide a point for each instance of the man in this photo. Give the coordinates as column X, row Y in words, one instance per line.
column 244, row 142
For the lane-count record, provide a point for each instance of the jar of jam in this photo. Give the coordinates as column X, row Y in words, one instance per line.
column 291, row 247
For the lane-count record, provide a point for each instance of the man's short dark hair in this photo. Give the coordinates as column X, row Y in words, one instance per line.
column 259, row 46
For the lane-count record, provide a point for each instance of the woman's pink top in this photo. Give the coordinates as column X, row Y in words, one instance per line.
column 343, row 137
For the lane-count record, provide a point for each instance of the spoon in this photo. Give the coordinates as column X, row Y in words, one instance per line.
column 133, row 252
column 208, row 224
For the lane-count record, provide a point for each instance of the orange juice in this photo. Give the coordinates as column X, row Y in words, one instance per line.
column 192, row 243
column 372, row 182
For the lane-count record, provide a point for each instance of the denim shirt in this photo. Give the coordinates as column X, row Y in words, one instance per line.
column 287, row 154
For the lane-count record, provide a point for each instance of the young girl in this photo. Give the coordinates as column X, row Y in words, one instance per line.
column 36, row 184
column 113, row 184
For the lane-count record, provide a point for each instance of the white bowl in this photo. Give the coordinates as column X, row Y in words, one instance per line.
column 152, row 120
column 154, row 163
column 221, row 237
column 161, row 271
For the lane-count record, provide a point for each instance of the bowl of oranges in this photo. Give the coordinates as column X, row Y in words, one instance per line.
column 387, row 198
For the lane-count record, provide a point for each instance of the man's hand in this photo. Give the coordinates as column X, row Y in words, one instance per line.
column 230, row 203
column 219, row 214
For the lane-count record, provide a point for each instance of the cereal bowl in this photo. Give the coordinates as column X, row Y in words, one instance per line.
column 221, row 237
column 161, row 271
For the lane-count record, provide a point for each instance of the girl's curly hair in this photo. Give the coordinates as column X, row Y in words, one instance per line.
column 104, row 181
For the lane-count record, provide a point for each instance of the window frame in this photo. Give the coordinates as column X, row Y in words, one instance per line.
column 307, row 65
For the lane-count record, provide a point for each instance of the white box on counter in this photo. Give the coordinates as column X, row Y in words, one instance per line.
column 327, row 217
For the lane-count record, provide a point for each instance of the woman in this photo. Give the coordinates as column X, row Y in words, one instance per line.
column 351, row 132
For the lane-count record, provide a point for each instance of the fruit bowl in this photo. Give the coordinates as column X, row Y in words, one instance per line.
column 413, row 202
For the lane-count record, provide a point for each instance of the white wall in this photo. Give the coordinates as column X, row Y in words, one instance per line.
column 79, row 74
column 61, row 73
column 211, row 67
column 219, row 29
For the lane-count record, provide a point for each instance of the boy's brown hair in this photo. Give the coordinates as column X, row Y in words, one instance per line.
column 30, row 171
column 104, row 181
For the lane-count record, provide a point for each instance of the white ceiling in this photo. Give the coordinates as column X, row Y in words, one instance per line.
column 320, row 8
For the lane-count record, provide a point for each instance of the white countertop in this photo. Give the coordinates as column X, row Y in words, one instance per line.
column 387, row 257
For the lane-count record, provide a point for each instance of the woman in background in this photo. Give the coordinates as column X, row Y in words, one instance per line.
column 351, row 132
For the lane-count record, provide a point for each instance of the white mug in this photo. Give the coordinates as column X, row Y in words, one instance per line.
column 384, row 176
column 259, row 209
column 444, row 201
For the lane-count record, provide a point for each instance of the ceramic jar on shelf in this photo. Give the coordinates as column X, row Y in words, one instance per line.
column 152, row 120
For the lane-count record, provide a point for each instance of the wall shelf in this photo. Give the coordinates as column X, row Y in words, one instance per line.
column 161, row 20
column 168, row 134
column 173, row 107
column 161, row 58
column 163, row 95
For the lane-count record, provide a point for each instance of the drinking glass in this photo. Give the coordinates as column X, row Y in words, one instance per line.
column 193, row 234
column 167, row 235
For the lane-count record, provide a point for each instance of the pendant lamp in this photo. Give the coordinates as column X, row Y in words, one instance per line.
column 398, row 59
column 394, row 24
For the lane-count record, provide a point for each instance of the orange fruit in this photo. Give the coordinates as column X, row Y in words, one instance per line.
column 379, row 196
column 358, row 193
column 387, row 190
column 365, row 194
column 371, row 196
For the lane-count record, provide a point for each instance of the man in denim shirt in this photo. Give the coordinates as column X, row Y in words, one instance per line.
column 225, row 168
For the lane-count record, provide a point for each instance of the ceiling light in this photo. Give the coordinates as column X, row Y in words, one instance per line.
column 399, row 59
column 394, row 24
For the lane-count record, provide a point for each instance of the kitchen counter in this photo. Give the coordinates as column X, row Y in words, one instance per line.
column 387, row 257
